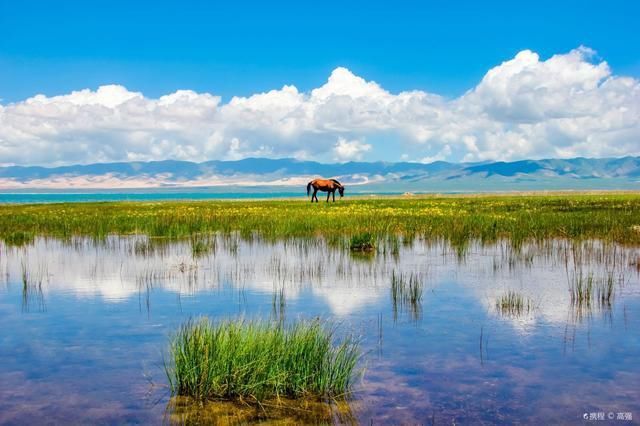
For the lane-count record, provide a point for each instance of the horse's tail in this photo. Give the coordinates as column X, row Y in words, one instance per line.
column 309, row 188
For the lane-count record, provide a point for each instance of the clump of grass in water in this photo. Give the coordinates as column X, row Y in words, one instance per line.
column 32, row 286
column 392, row 245
column 581, row 289
column 364, row 242
column 406, row 290
column 585, row 290
column 256, row 361
column 143, row 247
column 604, row 291
column 201, row 246
column 513, row 304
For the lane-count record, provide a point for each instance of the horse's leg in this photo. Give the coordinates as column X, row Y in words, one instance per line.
column 315, row 195
column 328, row 195
column 334, row 195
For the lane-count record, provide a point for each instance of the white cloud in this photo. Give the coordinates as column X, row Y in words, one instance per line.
column 440, row 156
column 345, row 150
column 564, row 106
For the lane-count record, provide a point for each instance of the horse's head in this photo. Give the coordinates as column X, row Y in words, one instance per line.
column 341, row 191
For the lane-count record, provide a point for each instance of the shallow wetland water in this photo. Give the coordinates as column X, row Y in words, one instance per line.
column 85, row 327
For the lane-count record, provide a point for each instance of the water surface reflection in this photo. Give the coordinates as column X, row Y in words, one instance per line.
column 85, row 325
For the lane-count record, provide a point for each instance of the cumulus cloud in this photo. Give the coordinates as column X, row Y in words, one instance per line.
column 565, row 106
column 345, row 150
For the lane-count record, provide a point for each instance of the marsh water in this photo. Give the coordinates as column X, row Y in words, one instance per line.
column 85, row 327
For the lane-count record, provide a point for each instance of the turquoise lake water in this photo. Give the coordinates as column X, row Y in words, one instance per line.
column 59, row 197
column 154, row 195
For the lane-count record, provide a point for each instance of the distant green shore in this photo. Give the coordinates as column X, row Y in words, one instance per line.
column 456, row 218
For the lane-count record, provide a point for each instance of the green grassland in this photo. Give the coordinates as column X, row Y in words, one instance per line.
column 610, row 217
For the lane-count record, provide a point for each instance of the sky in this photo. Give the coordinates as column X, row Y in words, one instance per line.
column 84, row 82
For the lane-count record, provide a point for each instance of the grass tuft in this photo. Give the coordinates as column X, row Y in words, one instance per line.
column 585, row 290
column 201, row 246
column 406, row 291
column 364, row 242
column 513, row 304
column 256, row 361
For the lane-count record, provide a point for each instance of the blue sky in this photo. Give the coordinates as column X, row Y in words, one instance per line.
column 417, row 81
column 238, row 48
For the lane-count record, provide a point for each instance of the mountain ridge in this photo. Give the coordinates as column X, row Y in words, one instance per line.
column 289, row 171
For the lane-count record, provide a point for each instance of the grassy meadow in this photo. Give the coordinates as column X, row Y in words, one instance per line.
column 457, row 219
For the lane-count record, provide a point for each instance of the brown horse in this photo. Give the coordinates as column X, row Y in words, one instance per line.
column 327, row 185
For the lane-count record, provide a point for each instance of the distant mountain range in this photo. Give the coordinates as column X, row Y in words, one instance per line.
column 265, row 174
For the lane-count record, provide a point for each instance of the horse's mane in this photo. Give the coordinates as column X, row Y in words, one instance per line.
column 335, row 181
